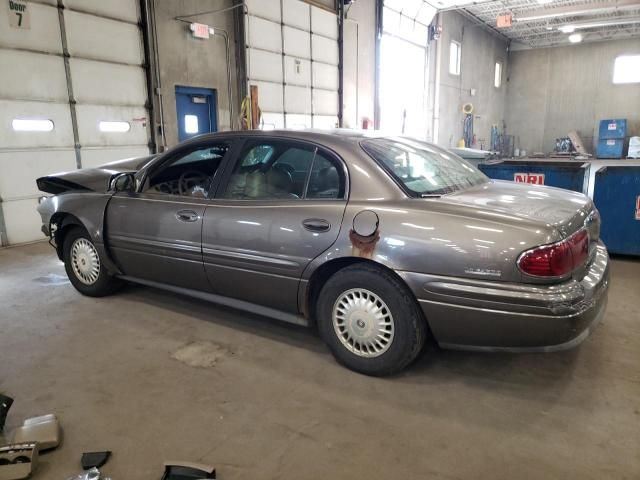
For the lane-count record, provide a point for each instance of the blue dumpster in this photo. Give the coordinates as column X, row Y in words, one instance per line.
column 616, row 193
column 567, row 175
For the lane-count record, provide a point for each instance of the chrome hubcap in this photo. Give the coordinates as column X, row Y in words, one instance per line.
column 363, row 323
column 85, row 261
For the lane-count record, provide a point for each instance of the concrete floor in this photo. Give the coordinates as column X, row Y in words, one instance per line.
column 154, row 376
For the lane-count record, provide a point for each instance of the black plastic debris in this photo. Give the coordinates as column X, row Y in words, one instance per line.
column 94, row 459
column 187, row 471
column 5, row 405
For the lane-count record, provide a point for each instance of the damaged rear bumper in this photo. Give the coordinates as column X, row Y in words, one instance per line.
column 478, row 315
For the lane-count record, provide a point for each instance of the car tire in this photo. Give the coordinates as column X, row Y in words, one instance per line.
column 370, row 320
column 84, row 266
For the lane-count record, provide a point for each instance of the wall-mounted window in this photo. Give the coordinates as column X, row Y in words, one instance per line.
column 455, row 54
column 191, row 124
column 497, row 75
column 31, row 125
column 626, row 69
column 114, row 127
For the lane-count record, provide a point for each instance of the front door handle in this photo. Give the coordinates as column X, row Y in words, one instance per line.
column 187, row 216
column 316, row 225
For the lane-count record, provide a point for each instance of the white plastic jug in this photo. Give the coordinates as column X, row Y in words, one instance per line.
column 634, row 147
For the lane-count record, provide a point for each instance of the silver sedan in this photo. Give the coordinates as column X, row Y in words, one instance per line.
column 382, row 242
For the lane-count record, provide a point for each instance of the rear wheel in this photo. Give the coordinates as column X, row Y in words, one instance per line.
column 84, row 267
column 370, row 320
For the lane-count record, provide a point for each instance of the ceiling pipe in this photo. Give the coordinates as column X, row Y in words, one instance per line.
column 519, row 45
column 208, row 12
column 458, row 6
column 572, row 11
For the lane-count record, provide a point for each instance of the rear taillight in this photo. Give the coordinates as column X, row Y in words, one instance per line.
column 558, row 259
column 579, row 243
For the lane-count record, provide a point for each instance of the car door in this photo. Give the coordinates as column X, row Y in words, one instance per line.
column 280, row 206
column 155, row 233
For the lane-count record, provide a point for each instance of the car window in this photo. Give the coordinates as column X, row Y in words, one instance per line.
column 325, row 180
column 189, row 175
column 297, row 159
column 270, row 171
column 282, row 170
column 421, row 168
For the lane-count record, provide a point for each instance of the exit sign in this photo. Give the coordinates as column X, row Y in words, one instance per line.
column 200, row 30
column 19, row 14
column 504, row 21
column 534, row 178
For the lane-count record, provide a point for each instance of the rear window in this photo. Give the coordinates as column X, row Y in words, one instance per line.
column 422, row 169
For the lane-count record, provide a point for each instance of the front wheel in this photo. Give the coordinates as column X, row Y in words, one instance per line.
column 84, row 268
column 370, row 320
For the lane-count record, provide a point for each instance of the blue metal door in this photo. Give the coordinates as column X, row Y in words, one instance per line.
column 196, row 110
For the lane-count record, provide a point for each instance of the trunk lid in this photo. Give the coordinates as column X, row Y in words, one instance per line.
column 564, row 210
column 90, row 179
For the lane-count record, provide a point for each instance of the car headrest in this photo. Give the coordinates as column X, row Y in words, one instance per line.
column 279, row 180
column 255, row 183
column 328, row 179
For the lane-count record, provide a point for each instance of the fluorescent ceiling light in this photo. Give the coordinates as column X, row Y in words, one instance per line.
column 622, row 20
column 575, row 38
column 544, row 2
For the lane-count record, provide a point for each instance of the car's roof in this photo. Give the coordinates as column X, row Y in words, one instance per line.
column 338, row 139
column 312, row 134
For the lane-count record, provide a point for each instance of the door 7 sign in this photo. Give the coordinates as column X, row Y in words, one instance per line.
column 19, row 14
column 535, row 178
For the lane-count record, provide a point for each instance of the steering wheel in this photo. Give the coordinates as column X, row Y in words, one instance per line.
column 190, row 179
column 165, row 187
column 284, row 167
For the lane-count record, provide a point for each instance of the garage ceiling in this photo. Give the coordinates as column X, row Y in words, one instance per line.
column 544, row 23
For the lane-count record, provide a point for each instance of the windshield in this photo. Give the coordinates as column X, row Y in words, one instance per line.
column 423, row 169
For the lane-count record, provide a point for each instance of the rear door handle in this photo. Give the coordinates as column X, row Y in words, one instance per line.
column 316, row 225
column 187, row 216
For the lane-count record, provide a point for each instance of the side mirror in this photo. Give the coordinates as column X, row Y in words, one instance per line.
column 123, row 182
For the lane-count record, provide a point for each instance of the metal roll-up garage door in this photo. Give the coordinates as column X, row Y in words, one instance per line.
column 292, row 56
column 36, row 133
column 102, row 84
column 108, row 78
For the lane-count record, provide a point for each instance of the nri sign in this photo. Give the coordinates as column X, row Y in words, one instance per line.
column 535, row 178
column 19, row 15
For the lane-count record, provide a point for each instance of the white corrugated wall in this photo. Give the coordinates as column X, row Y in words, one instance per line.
column 292, row 56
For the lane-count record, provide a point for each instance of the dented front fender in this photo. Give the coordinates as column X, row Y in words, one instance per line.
column 87, row 209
